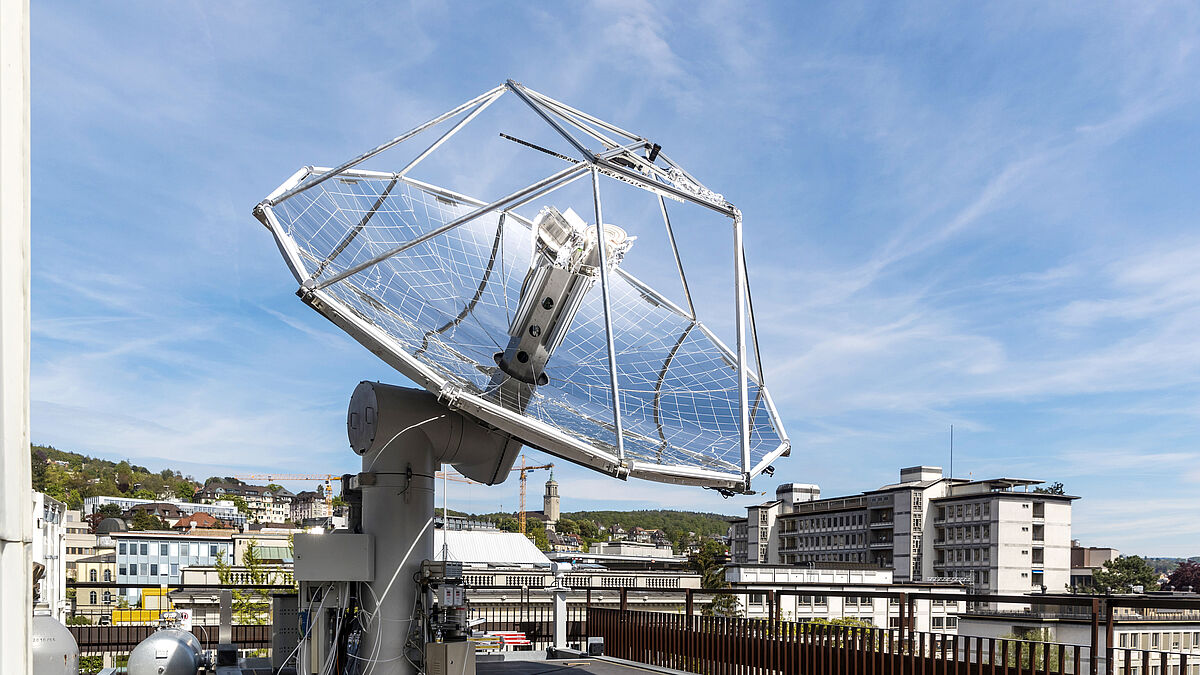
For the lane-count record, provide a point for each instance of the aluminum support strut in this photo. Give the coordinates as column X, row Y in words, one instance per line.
column 601, row 246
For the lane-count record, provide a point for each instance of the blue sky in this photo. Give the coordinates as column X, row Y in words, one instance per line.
column 982, row 215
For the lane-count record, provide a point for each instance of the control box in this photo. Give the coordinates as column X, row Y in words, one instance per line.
column 334, row 556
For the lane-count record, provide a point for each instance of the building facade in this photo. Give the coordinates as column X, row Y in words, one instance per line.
column 152, row 558
column 265, row 505
column 223, row 509
column 995, row 535
column 309, row 504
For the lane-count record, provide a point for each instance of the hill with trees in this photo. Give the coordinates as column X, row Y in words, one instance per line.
column 70, row 477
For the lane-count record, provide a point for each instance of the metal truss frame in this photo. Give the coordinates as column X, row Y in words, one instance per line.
column 620, row 155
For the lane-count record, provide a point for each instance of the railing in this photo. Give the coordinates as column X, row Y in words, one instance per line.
column 713, row 645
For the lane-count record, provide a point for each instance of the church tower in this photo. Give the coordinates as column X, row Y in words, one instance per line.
column 550, row 500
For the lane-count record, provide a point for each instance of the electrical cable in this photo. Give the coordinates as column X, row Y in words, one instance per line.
column 299, row 642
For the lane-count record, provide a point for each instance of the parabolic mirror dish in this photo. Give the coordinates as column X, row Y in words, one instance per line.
column 441, row 310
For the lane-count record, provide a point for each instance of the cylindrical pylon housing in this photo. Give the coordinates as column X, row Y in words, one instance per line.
column 402, row 435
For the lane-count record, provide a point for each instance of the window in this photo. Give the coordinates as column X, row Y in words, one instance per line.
column 174, row 569
column 92, row 597
column 145, row 549
column 108, row 575
column 937, row 622
column 952, row 622
column 212, row 550
column 121, row 570
column 153, row 569
column 108, row 597
column 121, row 548
column 142, row 567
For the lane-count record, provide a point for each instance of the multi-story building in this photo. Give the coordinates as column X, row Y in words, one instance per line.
column 151, row 557
column 79, row 541
column 1085, row 560
column 222, row 509
column 265, row 505
column 996, row 535
column 307, row 505
column 756, row 538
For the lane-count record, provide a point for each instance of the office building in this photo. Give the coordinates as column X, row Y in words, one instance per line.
column 995, row 535
column 156, row 557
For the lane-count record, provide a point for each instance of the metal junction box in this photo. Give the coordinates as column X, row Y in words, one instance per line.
column 450, row 658
column 334, row 557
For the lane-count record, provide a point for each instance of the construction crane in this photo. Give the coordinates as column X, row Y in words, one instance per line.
column 327, row 478
column 523, row 469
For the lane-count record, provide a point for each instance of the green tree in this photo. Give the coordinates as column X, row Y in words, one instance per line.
column 38, row 462
column 109, row 511
column 274, row 487
column 1051, row 489
column 588, row 529
column 710, row 564
column 1032, row 652
column 566, row 526
column 241, row 505
column 1123, row 574
column 144, row 520
column 250, row 607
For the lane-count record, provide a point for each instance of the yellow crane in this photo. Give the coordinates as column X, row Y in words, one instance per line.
column 523, row 469
column 327, row 478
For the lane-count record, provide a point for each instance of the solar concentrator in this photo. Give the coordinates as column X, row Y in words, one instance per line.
column 516, row 309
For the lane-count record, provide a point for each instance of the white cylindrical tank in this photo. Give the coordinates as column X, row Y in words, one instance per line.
column 55, row 651
column 168, row 651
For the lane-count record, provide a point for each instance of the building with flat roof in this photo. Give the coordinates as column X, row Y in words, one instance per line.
column 155, row 557
column 1085, row 560
column 223, row 509
column 995, row 535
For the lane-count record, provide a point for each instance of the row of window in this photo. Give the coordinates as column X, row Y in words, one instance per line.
column 824, row 557
column 973, row 510
column 174, row 548
column 965, row 533
column 92, row 576
column 79, row 550
column 148, row 569
column 1171, row 641
column 825, row 540
column 966, row 555
column 979, row 577
column 940, row 622
column 827, row 522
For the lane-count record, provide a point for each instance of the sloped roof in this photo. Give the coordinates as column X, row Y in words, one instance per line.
column 485, row 547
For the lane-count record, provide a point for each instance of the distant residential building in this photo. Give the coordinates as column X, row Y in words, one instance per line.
column 265, row 505
column 78, row 540
column 307, row 505
column 164, row 510
column 1085, row 560
column 223, row 509
column 563, row 541
column 95, row 601
column 198, row 520
column 995, row 535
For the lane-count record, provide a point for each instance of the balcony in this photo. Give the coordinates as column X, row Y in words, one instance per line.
column 881, row 544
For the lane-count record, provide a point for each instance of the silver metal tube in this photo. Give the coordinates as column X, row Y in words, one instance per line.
column 453, row 130
column 317, row 180
column 608, row 327
column 503, row 202
column 582, row 115
column 687, row 292
column 740, row 312
column 639, row 179
column 540, row 110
